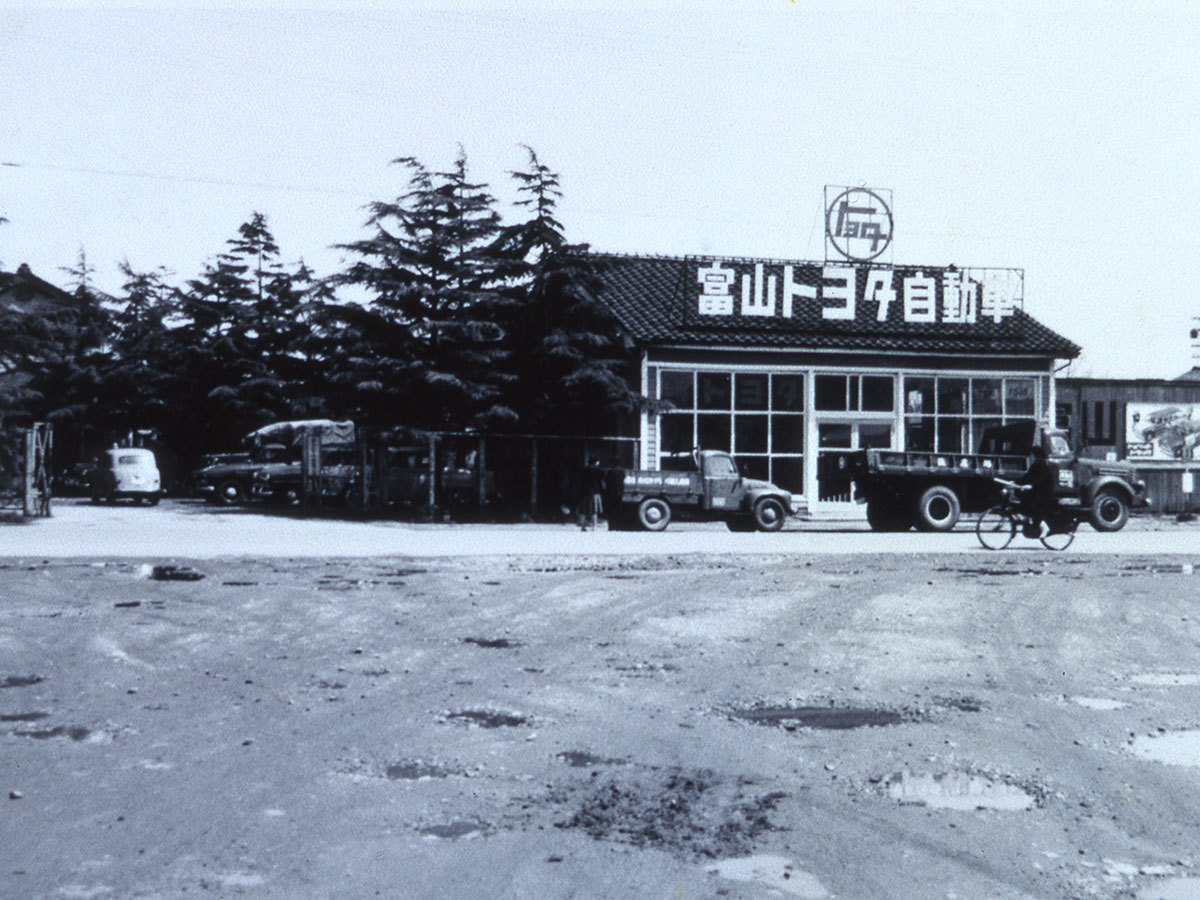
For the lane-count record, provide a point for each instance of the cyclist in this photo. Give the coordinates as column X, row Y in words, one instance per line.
column 1037, row 490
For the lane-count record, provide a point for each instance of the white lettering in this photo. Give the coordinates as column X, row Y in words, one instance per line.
column 843, row 289
column 920, row 304
column 715, row 281
column 793, row 291
column 1002, row 293
column 958, row 297
column 879, row 290
column 754, row 304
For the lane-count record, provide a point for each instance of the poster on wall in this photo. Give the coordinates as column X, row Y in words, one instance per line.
column 1162, row 430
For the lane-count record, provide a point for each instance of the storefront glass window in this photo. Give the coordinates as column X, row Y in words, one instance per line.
column 750, row 392
column 833, row 434
column 787, row 434
column 948, row 414
column 712, row 390
column 918, row 433
column 830, row 392
column 985, row 396
column 918, row 395
column 756, row 416
column 677, row 389
column 788, row 473
column 754, row 467
column 676, row 433
column 712, row 431
column 877, row 393
column 951, row 395
column 787, row 393
column 874, row 437
column 750, row 434
column 1018, row 396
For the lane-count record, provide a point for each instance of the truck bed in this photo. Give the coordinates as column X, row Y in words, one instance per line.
column 885, row 463
column 675, row 485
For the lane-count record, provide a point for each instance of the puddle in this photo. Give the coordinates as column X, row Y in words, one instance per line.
column 824, row 717
column 452, row 830
column 493, row 644
column 75, row 733
column 413, row 771
column 175, row 573
column 1102, row 704
column 15, row 681
column 1185, row 888
column 775, row 872
column 1175, row 748
column 487, row 719
column 985, row 572
column 957, row 790
column 23, row 717
column 1162, row 569
column 577, row 759
column 1167, row 679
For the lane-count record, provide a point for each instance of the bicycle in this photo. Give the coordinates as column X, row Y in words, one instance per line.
column 998, row 526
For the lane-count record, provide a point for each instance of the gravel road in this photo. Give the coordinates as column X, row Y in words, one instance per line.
column 523, row 721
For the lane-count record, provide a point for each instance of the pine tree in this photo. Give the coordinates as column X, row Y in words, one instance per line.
column 571, row 365
column 430, row 340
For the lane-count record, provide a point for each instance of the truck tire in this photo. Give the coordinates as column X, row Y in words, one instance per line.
column 230, row 492
column 769, row 514
column 885, row 516
column 1109, row 511
column 654, row 514
column 938, row 509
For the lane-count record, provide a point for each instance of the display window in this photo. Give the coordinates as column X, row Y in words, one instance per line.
column 948, row 414
column 756, row 416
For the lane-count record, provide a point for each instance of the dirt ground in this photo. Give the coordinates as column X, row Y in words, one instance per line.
column 693, row 725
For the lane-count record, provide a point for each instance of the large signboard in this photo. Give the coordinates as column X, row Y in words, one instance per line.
column 858, row 223
column 1162, row 430
column 811, row 293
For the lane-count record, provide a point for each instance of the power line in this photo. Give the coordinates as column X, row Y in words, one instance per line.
column 189, row 179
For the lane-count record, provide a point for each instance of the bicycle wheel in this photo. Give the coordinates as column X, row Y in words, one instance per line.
column 996, row 528
column 1058, row 540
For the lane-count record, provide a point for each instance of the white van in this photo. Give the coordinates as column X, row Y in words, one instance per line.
column 126, row 472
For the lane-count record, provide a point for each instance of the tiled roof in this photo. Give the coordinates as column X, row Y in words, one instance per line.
column 655, row 300
column 24, row 292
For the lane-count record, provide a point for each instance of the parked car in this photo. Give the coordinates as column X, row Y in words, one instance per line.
column 126, row 473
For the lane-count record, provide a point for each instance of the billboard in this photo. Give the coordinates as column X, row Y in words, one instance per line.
column 811, row 293
column 1162, row 430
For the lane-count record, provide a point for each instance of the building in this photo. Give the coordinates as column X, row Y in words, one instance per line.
column 789, row 364
column 1153, row 423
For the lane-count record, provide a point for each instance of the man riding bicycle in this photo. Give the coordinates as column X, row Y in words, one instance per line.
column 1036, row 491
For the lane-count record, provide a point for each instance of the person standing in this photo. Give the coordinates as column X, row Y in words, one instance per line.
column 593, row 490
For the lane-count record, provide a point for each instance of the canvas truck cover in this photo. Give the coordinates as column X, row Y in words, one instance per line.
column 293, row 431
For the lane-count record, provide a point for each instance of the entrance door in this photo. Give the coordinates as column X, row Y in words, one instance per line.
column 836, row 442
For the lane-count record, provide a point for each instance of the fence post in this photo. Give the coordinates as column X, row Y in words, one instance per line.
column 533, row 479
column 433, row 476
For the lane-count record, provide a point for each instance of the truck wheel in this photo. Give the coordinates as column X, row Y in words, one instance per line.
column 1109, row 511
column 230, row 492
column 654, row 514
column 937, row 509
column 883, row 516
column 769, row 514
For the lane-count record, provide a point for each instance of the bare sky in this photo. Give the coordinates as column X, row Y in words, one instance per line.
column 1061, row 138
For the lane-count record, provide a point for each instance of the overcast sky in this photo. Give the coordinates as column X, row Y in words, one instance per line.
column 1060, row 138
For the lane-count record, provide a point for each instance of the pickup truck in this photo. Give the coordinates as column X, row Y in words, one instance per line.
column 712, row 490
column 930, row 490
